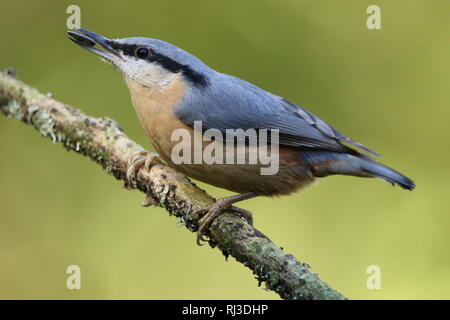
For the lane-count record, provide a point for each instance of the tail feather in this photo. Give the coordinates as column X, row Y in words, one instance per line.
column 390, row 175
column 325, row 163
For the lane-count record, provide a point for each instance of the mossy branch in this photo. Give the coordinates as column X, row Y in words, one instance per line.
column 102, row 140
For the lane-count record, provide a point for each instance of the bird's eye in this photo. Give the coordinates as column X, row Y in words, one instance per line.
column 142, row 52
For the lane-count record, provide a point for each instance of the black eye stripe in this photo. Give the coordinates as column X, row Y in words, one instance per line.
column 131, row 49
column 127, row 49
column 164, row 61
column 175, row 67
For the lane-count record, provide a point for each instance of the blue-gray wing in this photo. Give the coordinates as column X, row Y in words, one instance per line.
column 231, row 103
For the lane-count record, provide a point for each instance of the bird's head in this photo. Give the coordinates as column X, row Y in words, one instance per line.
column 150, row 62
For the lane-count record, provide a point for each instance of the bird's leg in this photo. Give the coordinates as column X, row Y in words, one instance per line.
column 137, row 161
column 217, row 208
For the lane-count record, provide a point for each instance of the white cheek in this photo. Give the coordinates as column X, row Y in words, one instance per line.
column 147, row 74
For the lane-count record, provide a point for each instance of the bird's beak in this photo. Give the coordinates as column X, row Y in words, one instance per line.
column 88, row 39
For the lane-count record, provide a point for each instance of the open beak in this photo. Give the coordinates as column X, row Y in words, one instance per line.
column 88, row 40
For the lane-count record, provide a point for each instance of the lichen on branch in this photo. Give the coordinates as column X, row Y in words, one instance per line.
column 102, row 140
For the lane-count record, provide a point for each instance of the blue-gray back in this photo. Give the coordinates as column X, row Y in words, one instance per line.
column 228, row 102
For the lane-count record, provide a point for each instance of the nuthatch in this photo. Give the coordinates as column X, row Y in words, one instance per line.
column 171, row 89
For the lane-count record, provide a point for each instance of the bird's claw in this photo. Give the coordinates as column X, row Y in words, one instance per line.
column 211, row 213
column 138, row 160
column 247, row 215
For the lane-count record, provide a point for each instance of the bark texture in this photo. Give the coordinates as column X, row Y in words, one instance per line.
column 103, row 141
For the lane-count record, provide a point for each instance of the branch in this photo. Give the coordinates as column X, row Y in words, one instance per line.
column 102, row 140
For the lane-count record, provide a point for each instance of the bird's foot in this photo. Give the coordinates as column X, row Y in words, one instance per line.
column 138, row 160
column 212, row 212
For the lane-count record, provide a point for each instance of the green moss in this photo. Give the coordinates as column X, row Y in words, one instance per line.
column 79, row 139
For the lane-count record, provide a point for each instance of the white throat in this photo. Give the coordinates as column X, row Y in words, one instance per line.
column 147, row 74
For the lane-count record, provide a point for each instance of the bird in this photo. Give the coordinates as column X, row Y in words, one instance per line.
column 172, row 89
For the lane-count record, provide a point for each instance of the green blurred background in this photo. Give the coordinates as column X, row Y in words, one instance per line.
column 387, row 88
